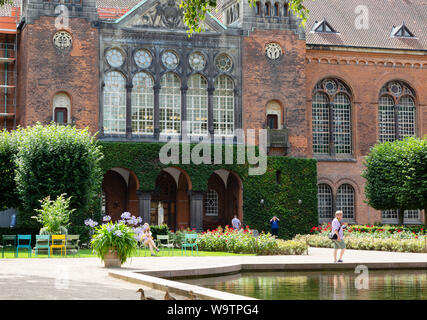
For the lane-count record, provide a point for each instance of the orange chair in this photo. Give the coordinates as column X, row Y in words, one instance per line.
column 61, row 238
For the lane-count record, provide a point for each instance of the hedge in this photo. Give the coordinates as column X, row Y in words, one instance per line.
column 298, row 181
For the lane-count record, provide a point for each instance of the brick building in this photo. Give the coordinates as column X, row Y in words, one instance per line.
column 355, row 75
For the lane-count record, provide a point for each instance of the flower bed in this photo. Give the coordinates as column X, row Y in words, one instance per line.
column 243, row 241
column 368, row 242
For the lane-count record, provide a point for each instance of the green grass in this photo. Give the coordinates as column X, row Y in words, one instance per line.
column 87, row 253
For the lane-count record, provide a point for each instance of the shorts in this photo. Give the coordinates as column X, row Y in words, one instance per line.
column 339, row 244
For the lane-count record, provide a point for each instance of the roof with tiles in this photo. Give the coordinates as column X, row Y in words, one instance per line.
column 380, row 16
column 342, row 15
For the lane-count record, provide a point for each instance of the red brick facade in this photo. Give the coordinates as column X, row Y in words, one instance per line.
column 43, row 72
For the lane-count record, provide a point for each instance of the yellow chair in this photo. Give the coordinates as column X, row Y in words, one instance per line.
column 59, row 237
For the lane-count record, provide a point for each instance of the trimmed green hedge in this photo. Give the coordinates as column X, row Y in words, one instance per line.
column 298, row 181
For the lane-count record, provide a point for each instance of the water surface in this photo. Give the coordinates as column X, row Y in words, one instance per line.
column 322, row 285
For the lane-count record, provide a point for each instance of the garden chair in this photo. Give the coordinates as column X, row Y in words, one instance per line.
column 6, row 242
column 142, row 246
column 25, row 245
column 163, row 241
column 42, row 242
column 63, row 243
column 73, row 241
column 189, row 242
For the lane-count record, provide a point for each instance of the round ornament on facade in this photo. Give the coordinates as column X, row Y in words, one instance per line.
column 197, row 61
column 62, row 40
column 143, row 58
column 115, row 57
column 223, row 62
column 396, row 89
column 273, row 51
column 170, row 59
column 330, row 86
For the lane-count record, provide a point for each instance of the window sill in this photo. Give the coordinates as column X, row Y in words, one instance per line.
column 328, row 158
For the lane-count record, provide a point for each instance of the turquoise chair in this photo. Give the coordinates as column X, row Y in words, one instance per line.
column 189, row 242
column 42, row 242
column 24, row 237
column 7, row 242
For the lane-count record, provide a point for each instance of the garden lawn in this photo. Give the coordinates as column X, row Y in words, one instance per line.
column 87, row 253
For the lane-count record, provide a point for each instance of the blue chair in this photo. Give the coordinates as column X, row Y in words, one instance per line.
column 42, row 242
column 189, row 242
column 24, row 237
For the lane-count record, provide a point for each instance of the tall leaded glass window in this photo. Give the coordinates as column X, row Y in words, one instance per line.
column 331, row 118
column 142, row 103
column 396, row 111
column 223, row 106
column 170, row 103
column 197, row 104
column 392, row 216
column 211, row 203
column 114, row 103
column 324, row 198
column 345, row 200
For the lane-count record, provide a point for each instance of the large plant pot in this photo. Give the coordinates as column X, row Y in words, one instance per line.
column 112, row 260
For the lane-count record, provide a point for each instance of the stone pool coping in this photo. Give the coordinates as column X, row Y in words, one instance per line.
column 156, row 278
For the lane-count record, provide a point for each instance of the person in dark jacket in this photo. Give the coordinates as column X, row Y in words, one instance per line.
column 274, row 226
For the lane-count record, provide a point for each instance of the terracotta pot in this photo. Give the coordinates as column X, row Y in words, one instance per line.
column 112, row 260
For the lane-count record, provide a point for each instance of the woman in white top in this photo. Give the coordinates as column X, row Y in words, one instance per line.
column 147, row 238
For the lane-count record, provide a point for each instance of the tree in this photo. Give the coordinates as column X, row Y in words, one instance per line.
column 54, row 160
column 8, row 149
column 396, row 175
column 195, row 11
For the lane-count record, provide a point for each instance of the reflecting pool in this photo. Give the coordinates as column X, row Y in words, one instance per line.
column 322, row 285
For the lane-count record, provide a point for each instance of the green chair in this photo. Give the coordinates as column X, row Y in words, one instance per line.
column 42, row 242
column 73, row 241
column 189, row 242
column 163, row 241
column 26, row 245
column 6, row 242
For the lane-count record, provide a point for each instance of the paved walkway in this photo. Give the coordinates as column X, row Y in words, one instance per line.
column 86, row 278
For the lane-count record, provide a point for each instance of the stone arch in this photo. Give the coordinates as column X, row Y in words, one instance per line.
column 275, row 108
column 62, row 100
column 119, row 186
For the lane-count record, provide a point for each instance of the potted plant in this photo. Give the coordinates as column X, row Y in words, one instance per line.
column 114, row 243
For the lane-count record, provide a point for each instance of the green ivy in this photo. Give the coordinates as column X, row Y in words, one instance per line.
column 298, row 181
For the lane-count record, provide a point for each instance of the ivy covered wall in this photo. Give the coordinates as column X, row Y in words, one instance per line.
column 286, row 181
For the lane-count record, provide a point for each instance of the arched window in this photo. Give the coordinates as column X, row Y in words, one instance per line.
column 114, row 103
column 331, row 101
column 170, row 103
column 324, row 200
column 258, row 8
column 223, row 106
column 345, row 201
column 396, row 111
column 267, row 8
column 276, row 10
column 197, row 104
column 285, row 10
column 142, row 103
column 211, row 203
column 61, row 108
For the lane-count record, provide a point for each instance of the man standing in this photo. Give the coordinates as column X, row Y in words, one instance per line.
column 337, row 228
column 275, row 226
column 236, row 223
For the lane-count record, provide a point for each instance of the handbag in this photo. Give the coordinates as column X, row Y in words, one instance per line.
column 332, row 235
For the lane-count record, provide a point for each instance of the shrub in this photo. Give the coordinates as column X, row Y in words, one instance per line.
column 56, row 159
column 8, row 149
column 159, row 230
column 54, row 215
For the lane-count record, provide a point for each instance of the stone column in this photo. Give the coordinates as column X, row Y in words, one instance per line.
column 156, row 111
column 129, row 111
column 211, row 91
column 196, row 210
column 144, row 199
